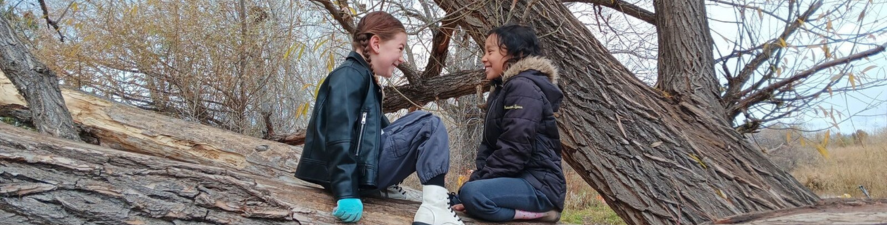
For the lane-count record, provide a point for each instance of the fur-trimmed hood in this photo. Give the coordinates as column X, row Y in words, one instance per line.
column 541, row 72
column 537, row 63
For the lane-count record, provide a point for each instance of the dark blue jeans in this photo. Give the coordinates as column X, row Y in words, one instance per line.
column 496, row 199
column 417, row 142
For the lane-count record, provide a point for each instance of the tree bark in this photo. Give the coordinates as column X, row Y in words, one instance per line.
column 654, row 160
column 686, row 64
column 131, row 129
column 455, row 84
column 45, row 180
column 37, row 84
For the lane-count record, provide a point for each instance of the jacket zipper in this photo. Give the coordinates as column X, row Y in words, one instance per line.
column 363, row 122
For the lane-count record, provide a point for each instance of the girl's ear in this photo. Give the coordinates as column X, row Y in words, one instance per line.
column 375, row 43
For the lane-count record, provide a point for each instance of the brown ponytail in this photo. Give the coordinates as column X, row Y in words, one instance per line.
column 379, row 24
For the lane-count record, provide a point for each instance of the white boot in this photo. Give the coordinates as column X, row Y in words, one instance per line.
column 434, row 209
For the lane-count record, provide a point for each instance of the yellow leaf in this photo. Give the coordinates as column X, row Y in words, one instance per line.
column 317, row 87
column 788, row 136
column 305, row 110
column 299, row 111
column 803, row 142
column 301, row 50
column 694, row 157
column 800, row 21
column 828, row 25
column 782, row 43
column 827, row 52
column 460, row 181
column 721, row 193
column 317, row 46
column 74, row 6
column 822, row 151
column 305, row 87
column 352, row 11
column 825, row 141
column 290, row 50
column 330, row 62
column 830, row 91
column 852, row 81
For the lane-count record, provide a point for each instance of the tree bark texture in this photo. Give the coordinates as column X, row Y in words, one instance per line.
column 686, row 64
column 37, row 84
column 131, row 129
column 654, row 160
column 45, row 180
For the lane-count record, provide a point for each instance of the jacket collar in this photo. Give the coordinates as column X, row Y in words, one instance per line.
column 359, row 58
column 537, row 63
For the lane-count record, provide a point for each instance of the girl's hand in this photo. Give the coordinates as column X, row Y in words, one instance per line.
column 348, row 210
column 459, row 207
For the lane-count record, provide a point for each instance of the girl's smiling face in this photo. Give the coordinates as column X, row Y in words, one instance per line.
column 388, row 54
column 494, row 57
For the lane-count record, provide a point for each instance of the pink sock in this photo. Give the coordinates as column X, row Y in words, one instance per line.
column 524, row 215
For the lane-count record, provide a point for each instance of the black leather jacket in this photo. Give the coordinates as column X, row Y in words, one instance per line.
column 343, row 139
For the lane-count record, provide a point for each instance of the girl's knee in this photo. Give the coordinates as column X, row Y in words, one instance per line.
column 470, row 195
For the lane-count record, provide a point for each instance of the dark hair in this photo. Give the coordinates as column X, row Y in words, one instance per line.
column 518, row 41
column 378, row 23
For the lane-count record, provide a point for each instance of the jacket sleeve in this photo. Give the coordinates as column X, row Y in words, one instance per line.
column 523, row 112
column 483, row 151
column 341, row 113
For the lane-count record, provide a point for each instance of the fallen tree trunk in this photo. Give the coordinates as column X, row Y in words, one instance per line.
column 827, row 211
column 128, row 128
column 46, row 180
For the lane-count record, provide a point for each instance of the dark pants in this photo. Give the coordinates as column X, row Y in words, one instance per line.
column 417, row 142
column 496, row 199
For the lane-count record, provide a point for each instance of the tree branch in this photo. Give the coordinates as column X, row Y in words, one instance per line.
column 50, row 22
column 441, row 87
column 440, row 45
column 339, row 14
column 764, row 93
column 624, row 7
column 734, row 89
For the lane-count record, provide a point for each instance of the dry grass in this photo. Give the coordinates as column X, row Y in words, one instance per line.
column 584, row 205
column 847, row 168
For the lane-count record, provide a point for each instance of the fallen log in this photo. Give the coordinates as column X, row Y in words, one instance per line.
column 128, row 128
column 47, row 180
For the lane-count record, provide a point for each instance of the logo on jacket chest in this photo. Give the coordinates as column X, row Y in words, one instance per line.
column 515, row 106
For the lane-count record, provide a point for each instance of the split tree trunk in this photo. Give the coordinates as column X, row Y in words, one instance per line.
column 45, row 180
column 131, row 129
column 654, row 160
column 37, row 83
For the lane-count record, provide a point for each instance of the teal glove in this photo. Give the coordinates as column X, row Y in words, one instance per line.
column 348, row 210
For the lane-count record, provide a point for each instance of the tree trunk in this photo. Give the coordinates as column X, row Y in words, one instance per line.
column 37, row 84
column 131, row 129
column 45, row 180
column 654, row 160
column 686, row 64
